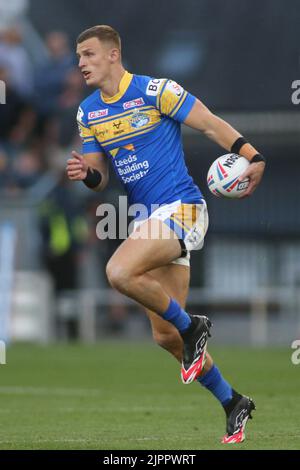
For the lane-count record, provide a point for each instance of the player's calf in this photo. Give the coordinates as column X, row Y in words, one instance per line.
column 171, row 342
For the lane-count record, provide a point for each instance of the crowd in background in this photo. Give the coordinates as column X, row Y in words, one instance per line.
column 38, row 121
column 37, row 133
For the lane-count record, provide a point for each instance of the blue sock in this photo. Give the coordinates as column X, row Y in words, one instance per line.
column 218, row 386
column 177, row 316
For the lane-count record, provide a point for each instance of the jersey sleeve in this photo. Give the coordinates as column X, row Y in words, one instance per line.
column 89, row 141
column 171, row 99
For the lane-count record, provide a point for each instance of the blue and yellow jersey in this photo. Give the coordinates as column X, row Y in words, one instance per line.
column 139, row 130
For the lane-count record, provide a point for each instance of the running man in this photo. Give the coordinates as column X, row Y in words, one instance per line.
column 134, row 121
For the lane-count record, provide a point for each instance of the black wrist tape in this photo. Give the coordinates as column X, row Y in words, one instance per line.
column 238, row 144
column 258, row 158
column 93, row 178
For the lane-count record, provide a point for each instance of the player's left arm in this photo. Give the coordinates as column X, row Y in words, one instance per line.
column 218, row 130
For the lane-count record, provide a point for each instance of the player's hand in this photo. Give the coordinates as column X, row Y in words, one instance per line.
column 76, row 167
column 254, row 172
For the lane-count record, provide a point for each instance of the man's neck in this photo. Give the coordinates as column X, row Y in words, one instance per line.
column 110, row 86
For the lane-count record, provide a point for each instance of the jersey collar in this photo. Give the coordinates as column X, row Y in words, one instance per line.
column 123, row 86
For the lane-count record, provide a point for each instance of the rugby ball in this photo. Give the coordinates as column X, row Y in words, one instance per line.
column 223, row 176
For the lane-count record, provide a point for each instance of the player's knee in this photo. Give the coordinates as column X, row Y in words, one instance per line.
column 118, row 276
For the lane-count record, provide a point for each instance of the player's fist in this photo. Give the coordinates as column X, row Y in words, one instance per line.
column 254, row 172
column 77, row 167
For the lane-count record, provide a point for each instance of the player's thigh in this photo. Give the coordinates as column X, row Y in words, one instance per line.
column 152, row 247
column 175, row 280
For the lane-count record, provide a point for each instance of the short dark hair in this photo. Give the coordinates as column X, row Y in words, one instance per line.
column 103, row 32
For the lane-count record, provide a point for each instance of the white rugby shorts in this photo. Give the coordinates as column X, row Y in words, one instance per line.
column 188, row 221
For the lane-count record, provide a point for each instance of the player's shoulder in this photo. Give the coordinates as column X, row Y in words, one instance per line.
column 153, row 87
column 87, row 105
column 90, row 100
column 148, row 85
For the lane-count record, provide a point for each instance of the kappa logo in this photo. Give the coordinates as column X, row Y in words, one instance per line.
column 80, row 114
column 133, row 103
column 194, row 235
column 239, row 420
column 97, row 114
column 174, row 88
column 201, row 343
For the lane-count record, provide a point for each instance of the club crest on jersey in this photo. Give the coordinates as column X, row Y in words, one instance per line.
column 133, row 103
column 138, row 120
column 97, row 114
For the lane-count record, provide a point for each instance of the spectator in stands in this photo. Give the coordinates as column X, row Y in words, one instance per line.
column 14, row 57
column 64, row 231
column 50, row 77
column 68, row 106
column 12, row 113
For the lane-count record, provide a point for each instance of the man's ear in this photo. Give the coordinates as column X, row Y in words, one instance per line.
column 114, row 55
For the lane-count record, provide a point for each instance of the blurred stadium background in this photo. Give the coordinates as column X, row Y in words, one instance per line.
column 240, row 58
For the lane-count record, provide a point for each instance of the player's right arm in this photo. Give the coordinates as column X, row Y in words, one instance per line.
column 92, row 165
column 176, row 103
column 78, row 166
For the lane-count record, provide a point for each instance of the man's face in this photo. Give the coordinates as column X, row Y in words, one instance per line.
column 94, row 61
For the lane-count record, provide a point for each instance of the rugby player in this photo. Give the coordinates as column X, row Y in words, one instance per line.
column 134, row 121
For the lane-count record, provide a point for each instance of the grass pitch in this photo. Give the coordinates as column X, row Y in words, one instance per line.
column 129, row 396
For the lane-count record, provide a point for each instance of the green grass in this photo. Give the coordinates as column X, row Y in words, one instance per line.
column 129, row 396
